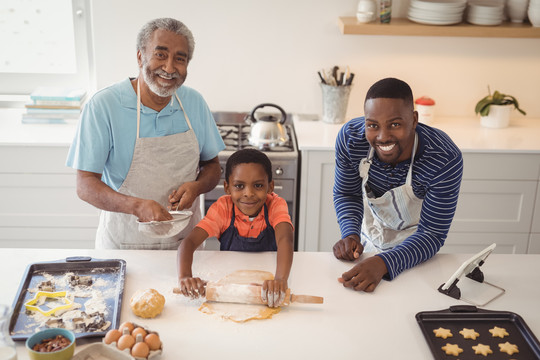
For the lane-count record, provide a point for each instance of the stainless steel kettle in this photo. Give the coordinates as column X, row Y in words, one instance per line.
column 268, row 130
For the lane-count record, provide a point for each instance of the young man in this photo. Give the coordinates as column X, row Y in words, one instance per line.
column 147, row 143
column 396, row 187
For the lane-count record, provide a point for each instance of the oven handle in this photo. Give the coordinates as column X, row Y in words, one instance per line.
column 276, row 187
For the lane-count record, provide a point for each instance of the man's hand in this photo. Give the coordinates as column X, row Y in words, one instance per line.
column 192, row 287
column 348, row 248
column 273, row 292
column 366, row 275
column 183, row 197
column 150, row 210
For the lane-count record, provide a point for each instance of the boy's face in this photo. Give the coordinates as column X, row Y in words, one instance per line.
column 248, row 186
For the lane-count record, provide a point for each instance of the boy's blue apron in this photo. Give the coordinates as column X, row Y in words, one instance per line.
column 231, row 240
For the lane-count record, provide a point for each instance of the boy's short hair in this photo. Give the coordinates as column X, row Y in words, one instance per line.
column 247, row 156
column 391, row 88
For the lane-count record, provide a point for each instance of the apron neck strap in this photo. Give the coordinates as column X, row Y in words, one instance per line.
column 139, row 108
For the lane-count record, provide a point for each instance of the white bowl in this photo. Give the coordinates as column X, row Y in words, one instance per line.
column 168, row 228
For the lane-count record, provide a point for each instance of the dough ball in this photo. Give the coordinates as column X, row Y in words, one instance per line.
column 147, row 303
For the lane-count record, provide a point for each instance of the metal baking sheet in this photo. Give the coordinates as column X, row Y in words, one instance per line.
column 107, row 287
column 465, row 316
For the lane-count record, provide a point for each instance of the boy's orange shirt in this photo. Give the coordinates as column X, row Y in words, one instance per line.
column 218, row 217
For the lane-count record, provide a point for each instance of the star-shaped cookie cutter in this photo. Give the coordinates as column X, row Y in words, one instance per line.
column 30, row 304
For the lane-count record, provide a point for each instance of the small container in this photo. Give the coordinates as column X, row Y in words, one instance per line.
column 168, row 228
column 63, row 354
column 385, row 11
column 335, row 101
column 425, row 106
column 366, row 11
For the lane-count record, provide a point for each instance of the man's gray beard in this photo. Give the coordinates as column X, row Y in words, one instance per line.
column 154, row 86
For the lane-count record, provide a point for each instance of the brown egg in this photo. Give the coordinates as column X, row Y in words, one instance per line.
column 153, row 341
column 140, row 350
column 127, row 324
column 125, row 342
column 112, row 336
column 138, row 330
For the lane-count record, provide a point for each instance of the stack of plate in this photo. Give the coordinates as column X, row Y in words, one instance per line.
column 534, row 13
column 485, row 12
column 437, row 12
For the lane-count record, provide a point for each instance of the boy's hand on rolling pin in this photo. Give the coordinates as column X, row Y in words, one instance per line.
column 348, row 248
column 192, row 287
column 273, row 292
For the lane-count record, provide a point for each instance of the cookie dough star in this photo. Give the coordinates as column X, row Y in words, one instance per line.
column 498, row 332
column 452, row 349
column 482, row 349
column 508, row 348
column 469, row 333
column 442, row 333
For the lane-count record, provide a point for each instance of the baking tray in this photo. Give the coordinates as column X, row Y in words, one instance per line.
column 466, row 316
column 108, row 277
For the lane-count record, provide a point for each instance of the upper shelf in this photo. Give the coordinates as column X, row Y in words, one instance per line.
column 349, row 25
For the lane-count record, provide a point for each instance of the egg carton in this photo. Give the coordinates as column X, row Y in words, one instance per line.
column 126, row 353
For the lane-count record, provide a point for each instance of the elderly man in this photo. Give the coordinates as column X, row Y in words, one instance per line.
column 396, row 187
column 147, row 144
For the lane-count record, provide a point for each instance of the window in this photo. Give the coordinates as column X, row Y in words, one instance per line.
column 45, row 43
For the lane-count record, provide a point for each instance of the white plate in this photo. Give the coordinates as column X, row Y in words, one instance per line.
column 484, row 22
column 434, row 22
column 441, row 5
column 435, row 18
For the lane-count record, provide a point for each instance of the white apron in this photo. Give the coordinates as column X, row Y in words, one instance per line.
column 391, row 218
column 159, row 166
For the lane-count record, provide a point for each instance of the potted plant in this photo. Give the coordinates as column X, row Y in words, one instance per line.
column 495, row 109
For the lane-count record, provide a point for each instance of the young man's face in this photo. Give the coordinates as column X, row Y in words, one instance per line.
column 164, row 62
column 390, row 128
column 248, row 185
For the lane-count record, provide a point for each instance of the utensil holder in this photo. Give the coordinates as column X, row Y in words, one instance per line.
column 335, row 101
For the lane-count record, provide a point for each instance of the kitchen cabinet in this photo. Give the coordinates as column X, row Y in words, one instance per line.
column 399, row 26
column 318, row 229
column 496, row 203
column 40, row 207
column 534, row 239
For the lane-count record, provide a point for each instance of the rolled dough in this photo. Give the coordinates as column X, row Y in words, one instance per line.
column 241, row 312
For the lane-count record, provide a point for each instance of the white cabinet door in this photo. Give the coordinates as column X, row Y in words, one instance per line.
column 534, row 243
column 494, row 206
column 40, row 207
column 472, row 243
column 318, row 228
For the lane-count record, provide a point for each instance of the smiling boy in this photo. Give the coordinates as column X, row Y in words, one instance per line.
column 251, row 217
column 396, row 187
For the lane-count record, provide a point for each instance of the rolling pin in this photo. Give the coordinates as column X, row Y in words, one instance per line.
column 249, row 294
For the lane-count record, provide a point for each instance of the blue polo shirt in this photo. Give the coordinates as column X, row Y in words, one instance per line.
column 107, row 130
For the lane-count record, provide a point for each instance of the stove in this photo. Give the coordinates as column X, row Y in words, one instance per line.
column 234, row 128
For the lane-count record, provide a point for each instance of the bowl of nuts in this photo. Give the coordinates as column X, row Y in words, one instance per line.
column 51, row 344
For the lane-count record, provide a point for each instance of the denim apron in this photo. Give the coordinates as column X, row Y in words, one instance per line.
column 159, row 166
column 392, row 217
column 231, row 240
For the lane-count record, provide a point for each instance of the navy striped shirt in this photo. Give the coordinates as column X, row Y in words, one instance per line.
column 436, row 178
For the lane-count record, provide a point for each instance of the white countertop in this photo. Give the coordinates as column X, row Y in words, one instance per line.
column 522, row 135
column 14, row 132
column 349, row 325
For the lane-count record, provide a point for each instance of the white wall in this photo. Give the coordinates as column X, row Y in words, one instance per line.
column 252, row 51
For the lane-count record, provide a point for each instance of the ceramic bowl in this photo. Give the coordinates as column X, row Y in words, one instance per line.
column 168, row 228
column 64, row 354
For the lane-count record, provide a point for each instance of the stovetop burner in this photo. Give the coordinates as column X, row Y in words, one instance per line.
column 236, row 137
